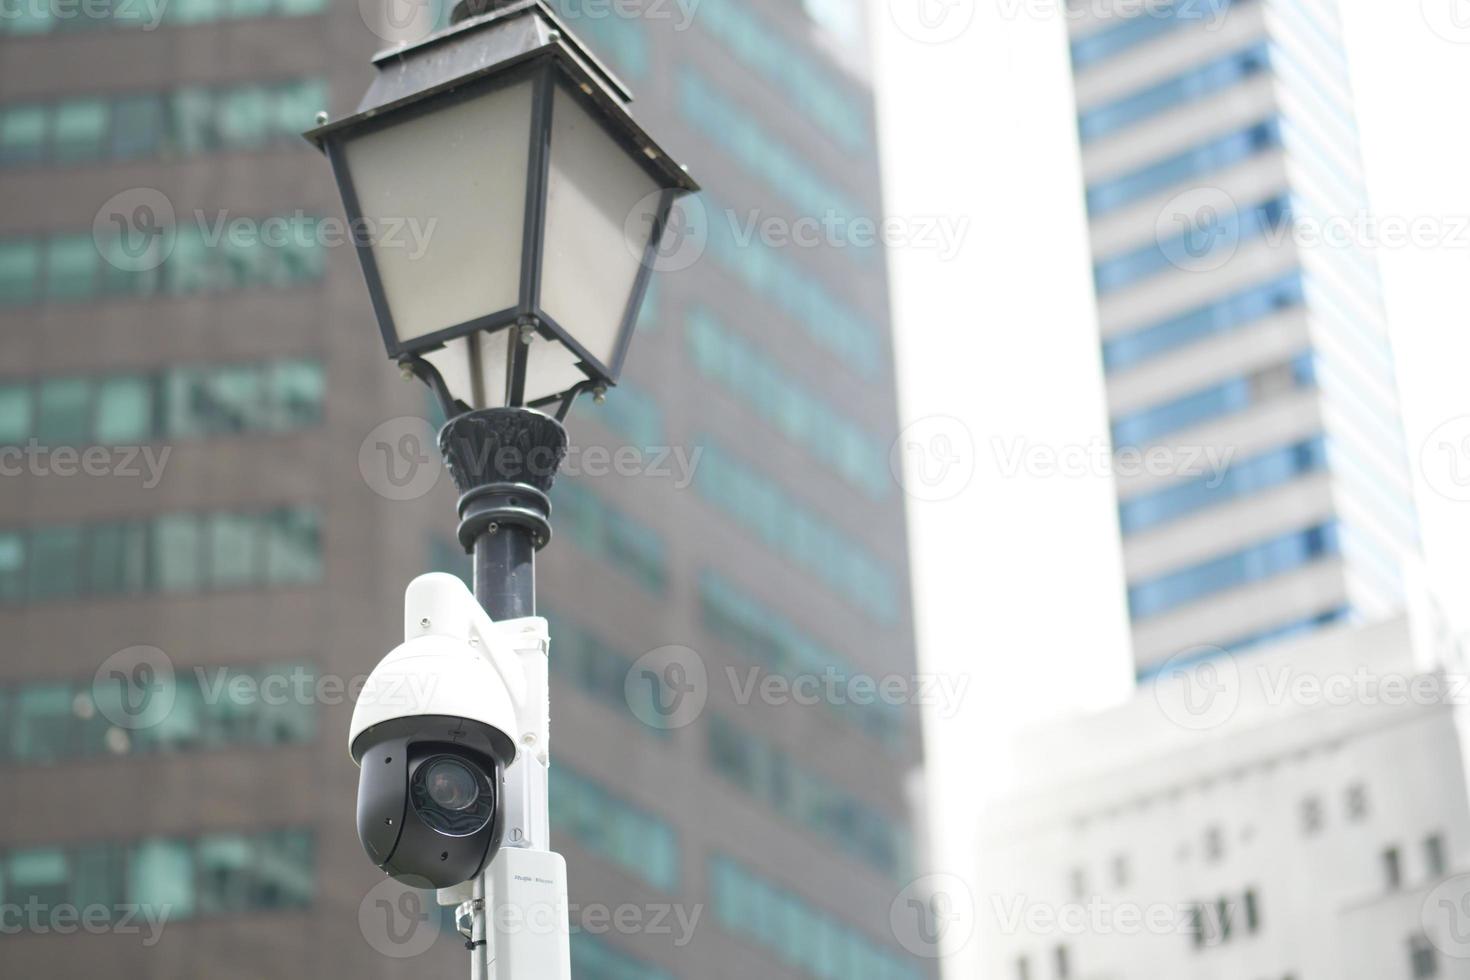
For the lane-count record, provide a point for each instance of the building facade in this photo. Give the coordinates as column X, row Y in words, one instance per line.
column 1243, row 331
column 1284, row 796
column 217, row 488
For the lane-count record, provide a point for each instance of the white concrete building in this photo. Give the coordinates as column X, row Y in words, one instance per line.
column 1298, row 814
column 1262, row 476
column 1284, row 797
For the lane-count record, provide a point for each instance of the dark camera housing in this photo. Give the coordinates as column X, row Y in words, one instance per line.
column 431, row 836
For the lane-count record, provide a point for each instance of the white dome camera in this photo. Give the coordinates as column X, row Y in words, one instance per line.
column 435, row 728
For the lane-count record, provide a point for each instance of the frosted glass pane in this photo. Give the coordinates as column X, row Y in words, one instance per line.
column 550, row 370
column 599, row 211
column 458, row 175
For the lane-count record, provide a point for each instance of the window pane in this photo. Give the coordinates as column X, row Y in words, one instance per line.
column 15, row 414
column 40, row 876
column 233, row 540
column 296, row 389
column 64, row 412
column 118, row 559
column 235, row 401
column 42, row 719
column 55, row 562
column 71, row 267
column 293, row 552
column 81, row 127
column 123, row 412
column 161, row 874
column 176, row 553
column 20, row 268
column 138, row 127
column 12, row 566
column 22, row 135
column 244, row 116
column 193, row 124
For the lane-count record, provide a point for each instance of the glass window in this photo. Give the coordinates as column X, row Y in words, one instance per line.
column 192, row 126
column 97, row 877
column 71, row 267
column 123, row 413
column 234, row 561
column 244, row 116
column 225, row 863
column 1435, row 862
column 64, row 415
column 138, row 128
column 293, row 547
column 22, row 135
column 15, row 413
column 39, row 876
column 81, row 131
column 20, row 270
column 161, row 876
column 296, row 389
column 296, row 105
column 55, row 562
column 195, row 11
column 12, row 566
column 41, row 722
column 118, row 560
column 177, row 553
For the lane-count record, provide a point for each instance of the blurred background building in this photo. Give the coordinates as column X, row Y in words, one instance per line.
column 265, row 487
column 1273, row 791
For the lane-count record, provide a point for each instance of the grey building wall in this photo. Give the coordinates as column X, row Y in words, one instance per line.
column 93, row 816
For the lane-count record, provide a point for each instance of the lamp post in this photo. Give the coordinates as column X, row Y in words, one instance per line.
column 543, row 203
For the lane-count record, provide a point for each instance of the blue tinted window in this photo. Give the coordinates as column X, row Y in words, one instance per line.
column 1217, row 154
column 1254, row 564
column 612, row 828
column 1216, row 401
column 1156, row 19
column 1192, row 86
column 1251, row 641
column 1221, row 316
column 1241, row 479
column 1204, row 233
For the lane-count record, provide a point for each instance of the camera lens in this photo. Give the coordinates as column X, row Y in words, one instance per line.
column 451, row 784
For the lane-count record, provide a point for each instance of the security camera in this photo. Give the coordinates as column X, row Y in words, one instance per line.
column 433, row 732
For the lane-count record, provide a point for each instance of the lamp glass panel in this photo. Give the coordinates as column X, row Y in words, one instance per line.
column 452, row 184
column 600, row 208
column 474, row 368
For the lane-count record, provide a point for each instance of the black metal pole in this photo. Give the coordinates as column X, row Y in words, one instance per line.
column 504, row 460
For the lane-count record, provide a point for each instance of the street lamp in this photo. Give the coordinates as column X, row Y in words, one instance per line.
column 538, row 205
